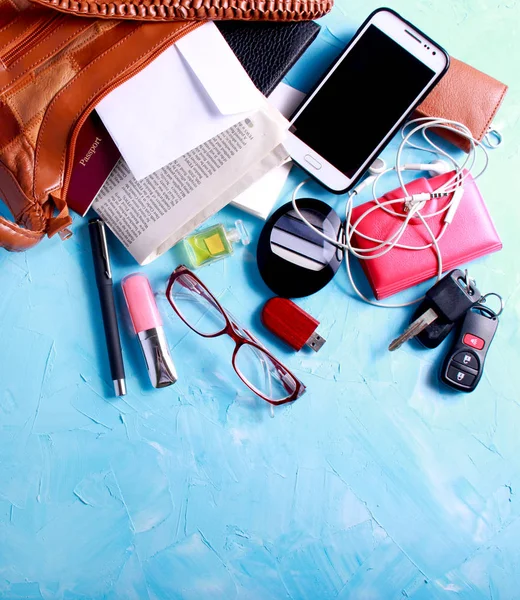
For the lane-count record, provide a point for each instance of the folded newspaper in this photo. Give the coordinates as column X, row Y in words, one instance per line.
column 151, row 215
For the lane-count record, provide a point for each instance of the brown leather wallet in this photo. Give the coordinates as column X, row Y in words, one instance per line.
column 465, row 95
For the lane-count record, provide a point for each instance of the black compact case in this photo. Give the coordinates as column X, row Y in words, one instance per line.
column 294, row 261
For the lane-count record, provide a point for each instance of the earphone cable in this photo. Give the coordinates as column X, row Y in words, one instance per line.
column 462, row 170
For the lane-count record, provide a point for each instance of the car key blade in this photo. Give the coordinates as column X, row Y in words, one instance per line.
column 414, row 329
column 449, row 298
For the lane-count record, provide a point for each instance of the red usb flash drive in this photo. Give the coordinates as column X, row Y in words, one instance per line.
column 291, row 324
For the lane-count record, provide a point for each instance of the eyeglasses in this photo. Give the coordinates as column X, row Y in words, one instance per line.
column 265, row 375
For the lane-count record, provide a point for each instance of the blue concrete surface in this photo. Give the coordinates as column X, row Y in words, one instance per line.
column 376, row 484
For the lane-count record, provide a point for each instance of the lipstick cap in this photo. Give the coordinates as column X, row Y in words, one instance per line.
column 141, row 302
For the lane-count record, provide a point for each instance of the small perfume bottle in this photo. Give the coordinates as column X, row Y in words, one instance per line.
column 213, row 243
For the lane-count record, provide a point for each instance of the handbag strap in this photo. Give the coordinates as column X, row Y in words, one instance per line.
column 32, row 221
column 16, row 238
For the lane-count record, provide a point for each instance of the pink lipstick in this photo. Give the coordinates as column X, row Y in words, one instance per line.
column 147, row 324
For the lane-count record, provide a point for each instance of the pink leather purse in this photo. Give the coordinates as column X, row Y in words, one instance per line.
column 470, row 235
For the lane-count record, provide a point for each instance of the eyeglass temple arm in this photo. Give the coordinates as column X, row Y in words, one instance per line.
column 193, row 286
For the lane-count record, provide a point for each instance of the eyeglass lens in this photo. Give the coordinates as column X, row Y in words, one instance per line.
column 196, row 306
column 258, row 370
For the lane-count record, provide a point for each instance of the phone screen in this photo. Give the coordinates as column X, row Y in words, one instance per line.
column 360, row 103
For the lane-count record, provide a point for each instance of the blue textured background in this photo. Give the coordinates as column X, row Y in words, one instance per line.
column 377, row 483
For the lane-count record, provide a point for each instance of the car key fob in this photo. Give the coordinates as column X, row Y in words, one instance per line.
column 447, row 301
column 464, row 363
column 436, row 332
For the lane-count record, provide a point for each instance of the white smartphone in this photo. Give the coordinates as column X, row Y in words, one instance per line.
column 385, row 72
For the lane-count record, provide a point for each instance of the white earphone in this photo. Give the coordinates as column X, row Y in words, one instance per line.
column 413, row 203
column 436, row 167
column 378, row 167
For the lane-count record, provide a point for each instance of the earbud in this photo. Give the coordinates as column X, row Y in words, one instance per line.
column 377, row 167
column 436, row 167
column 439, row 167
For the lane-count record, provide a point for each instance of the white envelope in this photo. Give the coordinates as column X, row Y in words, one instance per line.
column 190, row 93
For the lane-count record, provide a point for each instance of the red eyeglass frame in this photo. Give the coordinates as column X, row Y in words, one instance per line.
column 233, row 330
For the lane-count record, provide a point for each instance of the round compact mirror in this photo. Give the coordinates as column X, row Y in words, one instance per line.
column 293, row 260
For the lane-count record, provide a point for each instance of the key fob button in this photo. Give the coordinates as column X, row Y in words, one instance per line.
column 464, row 363
column 473, row 340
column 466, row 359
column 460, row 377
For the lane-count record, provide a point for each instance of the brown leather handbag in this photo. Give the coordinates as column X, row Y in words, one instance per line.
column 56, row 65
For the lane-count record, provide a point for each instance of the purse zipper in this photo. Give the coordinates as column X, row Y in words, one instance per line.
column 93, row 104
column 43, row 29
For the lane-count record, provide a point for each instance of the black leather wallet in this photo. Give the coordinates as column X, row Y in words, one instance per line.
column 267, row 50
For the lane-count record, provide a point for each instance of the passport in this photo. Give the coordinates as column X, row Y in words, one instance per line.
column 95, row 157
column 267, row 51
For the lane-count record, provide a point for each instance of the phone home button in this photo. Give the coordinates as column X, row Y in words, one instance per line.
column 312, row 162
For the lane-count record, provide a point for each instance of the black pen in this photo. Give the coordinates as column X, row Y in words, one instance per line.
column 98, row 240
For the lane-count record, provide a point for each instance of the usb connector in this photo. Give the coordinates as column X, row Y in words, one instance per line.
column 291, row 324
column 315, row 341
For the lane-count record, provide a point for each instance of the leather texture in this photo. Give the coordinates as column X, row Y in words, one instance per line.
column 54, row 69
column 268, row 50
column 465, row 95
column 470, row 235
column 166, row 10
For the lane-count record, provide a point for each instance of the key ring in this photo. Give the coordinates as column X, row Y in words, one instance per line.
column 490, row 310
column 485, row 310
column 493, row 134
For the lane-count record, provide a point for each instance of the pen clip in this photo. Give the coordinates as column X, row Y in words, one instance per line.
column 104, row 248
